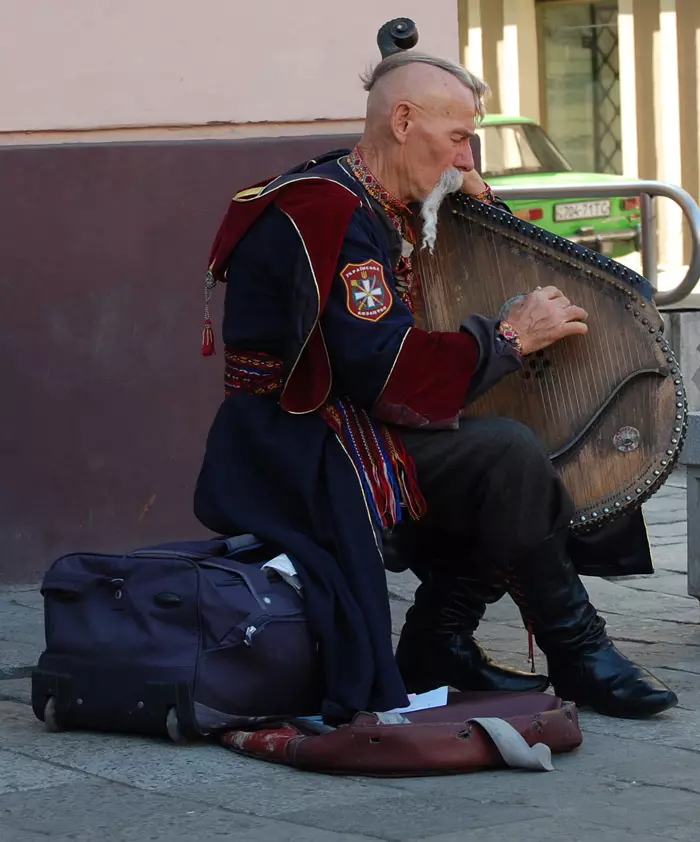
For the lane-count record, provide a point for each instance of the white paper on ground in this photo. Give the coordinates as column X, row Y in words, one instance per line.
column 422, row 701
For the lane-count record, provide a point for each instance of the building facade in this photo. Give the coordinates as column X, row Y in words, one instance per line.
column 173, row 69
column 615, row 82
column 124, row 129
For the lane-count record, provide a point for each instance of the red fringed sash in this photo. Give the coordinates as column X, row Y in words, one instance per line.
column 385, row 470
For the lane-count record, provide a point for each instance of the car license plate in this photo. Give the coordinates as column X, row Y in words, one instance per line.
column 581, row 210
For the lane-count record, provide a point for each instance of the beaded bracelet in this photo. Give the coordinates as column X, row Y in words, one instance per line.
column 486, row 195
column 510, row 335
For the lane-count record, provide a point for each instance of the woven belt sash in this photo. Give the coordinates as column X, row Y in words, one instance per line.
column 385, row 470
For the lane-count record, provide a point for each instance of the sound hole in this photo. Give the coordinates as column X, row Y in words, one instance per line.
column 535, row 365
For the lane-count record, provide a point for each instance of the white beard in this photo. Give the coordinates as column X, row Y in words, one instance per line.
column 449, row 182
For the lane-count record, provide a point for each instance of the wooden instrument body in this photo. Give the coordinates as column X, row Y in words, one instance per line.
column 610, row 407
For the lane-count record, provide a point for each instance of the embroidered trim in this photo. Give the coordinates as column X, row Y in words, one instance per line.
column 399, row 215
column 374, row 187
column 386, row 472
column 510, row 335
column 258, row 374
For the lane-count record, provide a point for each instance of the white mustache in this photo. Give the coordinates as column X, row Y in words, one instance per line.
column 449, row 182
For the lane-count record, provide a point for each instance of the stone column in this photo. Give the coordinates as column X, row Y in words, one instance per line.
column 690, row 457
column 628, row 88
column 518, row 65
column 668, row 132
column 688, row 12
column 480, row 36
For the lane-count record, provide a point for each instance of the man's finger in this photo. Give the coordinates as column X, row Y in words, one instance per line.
column 551, row 292
column 573, row 329
column 575, row 314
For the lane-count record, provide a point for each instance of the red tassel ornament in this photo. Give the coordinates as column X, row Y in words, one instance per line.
column 208, row 349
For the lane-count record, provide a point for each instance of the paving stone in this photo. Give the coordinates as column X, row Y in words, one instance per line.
column 687, row 833
column 21, row 634
column 636, row 761
column 16, row 690
column 15, row 834
column 19, row 773
column 150, row 764
column 679, row 728
column 670, row 583
column 86, row 811
column 629, row 780
column 685, row 684
column 618, row 599
column 554, row 829
column 205, row 772
column 691, row 666
column 676, row 530
column 672, row 512
column 26, row 596
column 605, row 771
column 264, row 789
column 402, row 818
column 671, row 557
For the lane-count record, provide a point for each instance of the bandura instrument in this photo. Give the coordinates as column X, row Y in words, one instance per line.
column 609, row 407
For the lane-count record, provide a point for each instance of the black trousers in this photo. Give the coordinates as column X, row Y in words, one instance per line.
column 489, row 487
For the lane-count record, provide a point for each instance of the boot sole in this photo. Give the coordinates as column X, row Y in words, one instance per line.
column 641, row 713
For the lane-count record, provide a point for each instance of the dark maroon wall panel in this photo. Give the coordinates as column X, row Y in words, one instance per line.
column 105, row 399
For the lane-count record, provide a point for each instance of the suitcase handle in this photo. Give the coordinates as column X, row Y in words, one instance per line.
column 218, row 547
column 77, row 586
column 241, row 543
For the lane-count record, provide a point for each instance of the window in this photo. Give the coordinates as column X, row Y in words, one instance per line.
column 518, row 149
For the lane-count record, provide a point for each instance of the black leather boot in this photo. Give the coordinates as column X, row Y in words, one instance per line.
column 436, row 646
column 584, row 665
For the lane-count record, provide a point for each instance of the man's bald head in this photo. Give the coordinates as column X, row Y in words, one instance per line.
column 405, row 75
column 421, row 114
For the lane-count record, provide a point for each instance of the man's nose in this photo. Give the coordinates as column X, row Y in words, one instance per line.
column 464, row 160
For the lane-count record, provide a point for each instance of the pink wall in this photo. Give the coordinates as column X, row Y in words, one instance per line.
column 90, row 64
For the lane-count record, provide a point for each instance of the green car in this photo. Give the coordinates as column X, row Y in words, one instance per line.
column 517, row 151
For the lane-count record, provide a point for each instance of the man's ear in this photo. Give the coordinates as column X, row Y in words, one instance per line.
column 400, row 121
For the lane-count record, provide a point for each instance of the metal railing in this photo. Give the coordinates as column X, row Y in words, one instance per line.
column 646, row 190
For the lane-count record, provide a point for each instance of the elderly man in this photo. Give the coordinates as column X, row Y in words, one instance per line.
column 342, row 418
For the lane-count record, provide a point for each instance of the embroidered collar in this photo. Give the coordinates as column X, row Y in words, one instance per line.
column 397, row 212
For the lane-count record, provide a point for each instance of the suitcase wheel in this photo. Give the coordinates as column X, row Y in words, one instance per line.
column 172, row 724
column 50, row 720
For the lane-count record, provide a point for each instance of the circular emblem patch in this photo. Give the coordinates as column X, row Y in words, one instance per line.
column 626, row 439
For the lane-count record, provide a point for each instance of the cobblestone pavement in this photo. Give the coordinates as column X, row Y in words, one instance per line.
column 629, row 781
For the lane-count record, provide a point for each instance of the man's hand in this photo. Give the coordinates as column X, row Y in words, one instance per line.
column 472, row 183
column 543, row 317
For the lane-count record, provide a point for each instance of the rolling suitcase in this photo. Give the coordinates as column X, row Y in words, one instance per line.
column 178, row 639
